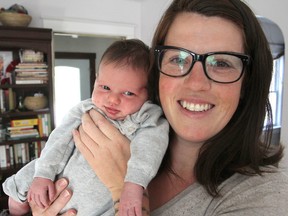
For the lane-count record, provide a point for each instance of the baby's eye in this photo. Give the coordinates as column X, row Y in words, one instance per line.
column 105, row 87
column 128, row 93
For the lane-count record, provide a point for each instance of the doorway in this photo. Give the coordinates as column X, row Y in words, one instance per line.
column 73, row 81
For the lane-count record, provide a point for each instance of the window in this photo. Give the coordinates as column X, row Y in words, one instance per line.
column 275, row 95
column 276, row 41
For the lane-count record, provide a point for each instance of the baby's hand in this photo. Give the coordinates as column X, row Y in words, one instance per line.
column 131, row 200
column 42, row 191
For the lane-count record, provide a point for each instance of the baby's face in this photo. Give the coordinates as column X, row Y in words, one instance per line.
column 119, row 90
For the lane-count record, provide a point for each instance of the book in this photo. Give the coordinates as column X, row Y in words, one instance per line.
column 31, row 147
column 32, row 65
column 44, row 125
column 6, row 159
column 17, row 153
column 37, row 81
column 40, row 125
column 24, row 122
column 20, row 127
column 32, row 73
column 24, row 153
column 23, row 132
column 3, row 156
column 11, row 155
column 8, row 163
column 2, row 101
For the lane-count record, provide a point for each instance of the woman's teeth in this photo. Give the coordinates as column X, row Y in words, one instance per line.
column 195, row 107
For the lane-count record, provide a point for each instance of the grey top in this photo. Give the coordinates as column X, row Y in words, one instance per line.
column 241, row 195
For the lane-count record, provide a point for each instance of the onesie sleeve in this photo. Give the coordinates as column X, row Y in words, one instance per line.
column 60, row 144
column 148, row 145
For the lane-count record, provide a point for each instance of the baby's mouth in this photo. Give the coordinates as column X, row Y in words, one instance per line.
column 195, row 107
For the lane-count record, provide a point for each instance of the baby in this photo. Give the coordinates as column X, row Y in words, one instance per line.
column 120, row 94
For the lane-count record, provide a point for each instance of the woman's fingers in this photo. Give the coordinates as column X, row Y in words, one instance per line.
column 106, row 152
column 91, row 128
column 110, row 131
column 105, row 133
column 100, row 159
column 60, row 202
column 61, row 199
column 82, row 146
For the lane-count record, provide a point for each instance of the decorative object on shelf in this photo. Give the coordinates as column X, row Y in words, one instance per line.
column 5, row 60
column 21, row 106
column 31, row 56
column 16, row 15
column 36, row 102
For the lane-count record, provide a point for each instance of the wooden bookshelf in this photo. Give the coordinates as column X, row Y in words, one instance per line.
column 13, row 40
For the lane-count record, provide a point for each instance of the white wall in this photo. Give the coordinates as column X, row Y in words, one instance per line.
column 151, row 13
column 115, row 11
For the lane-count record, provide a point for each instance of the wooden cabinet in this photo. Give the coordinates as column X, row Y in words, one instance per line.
column 13, row 42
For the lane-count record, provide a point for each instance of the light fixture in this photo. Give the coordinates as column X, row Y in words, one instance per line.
column 66, row 34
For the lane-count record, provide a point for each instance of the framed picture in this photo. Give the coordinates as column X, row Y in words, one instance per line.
column 6, row 58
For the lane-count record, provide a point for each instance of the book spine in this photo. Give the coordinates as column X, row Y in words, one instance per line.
column 40, row 125
column 11, row 155
column 3, row 157
column 24, row 153
column 2, row 101
column 24, row 122
column 8, row 159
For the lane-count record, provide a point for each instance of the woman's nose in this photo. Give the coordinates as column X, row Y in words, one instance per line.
column 197, row 78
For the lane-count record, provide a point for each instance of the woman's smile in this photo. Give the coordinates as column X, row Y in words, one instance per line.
column 196, row 107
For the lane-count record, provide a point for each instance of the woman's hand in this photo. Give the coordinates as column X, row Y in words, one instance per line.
column 62, row 197
column 106, row 150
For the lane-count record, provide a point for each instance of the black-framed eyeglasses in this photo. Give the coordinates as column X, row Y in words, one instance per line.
column 221, row 67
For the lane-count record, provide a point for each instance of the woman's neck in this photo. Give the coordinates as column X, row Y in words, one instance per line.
column 166, row 185
column 183, row 156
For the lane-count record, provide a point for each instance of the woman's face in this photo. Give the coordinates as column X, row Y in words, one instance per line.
column 215, row 102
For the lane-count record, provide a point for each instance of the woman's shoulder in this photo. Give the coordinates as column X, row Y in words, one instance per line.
column 240, row 195
column 271, row 181
column 264, row 194
column 269, row 175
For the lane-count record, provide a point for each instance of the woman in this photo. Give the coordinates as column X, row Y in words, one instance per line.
column 211, row 75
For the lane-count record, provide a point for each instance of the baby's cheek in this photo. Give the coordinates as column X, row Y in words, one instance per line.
column 96, row 100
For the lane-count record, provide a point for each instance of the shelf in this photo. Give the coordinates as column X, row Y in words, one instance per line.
column 11, row 170
column 6, row 86
column 12, row 40
column 22, row 113
column 25, row 140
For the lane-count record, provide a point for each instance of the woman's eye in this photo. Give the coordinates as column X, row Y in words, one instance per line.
column 178, row 61
column 127, row 93
column 219, row 62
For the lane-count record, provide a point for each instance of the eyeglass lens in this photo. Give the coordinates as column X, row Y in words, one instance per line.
column 218, row 67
